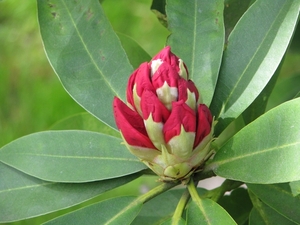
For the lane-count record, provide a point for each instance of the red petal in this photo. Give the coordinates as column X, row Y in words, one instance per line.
column 131, row 125
column 143, row 79
column 151, row 104
column 181, row 114
column 140, row 77
column 165, row 73
column 183, row 85
column 204, row 120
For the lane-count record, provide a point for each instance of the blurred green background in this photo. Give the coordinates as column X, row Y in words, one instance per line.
column 31, row 96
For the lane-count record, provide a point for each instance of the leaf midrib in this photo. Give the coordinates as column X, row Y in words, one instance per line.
column 221, row 162
column 88, row 52
column 74, row 157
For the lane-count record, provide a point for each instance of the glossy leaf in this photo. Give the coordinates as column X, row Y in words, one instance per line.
column 198, row 37
column 208, row 212
column 84, row 121
column 280, row 198
column 135, row 53
column 85, row 53
column 266, row 215
column 258, row 106
column 254, row 50
column 23, row 196
column 113, row 211
column 232, row 204
column 269, row 146
column 70, row 156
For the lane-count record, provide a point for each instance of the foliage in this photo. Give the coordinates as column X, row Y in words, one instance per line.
column 235, row 53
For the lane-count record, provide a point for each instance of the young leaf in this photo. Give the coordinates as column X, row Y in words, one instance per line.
column 112, row 211
column 269, row 146
column 255, row 49
column 84, row 121
column 198, row 38
column 208, row 212
column 70, row 156
column 85, row 53
column 280, row 198
column 23, row 196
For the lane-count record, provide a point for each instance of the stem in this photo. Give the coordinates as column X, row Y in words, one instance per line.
column 156, row 191
column 180, row 207
column 193, row 192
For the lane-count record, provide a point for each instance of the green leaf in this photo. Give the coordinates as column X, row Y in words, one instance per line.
column 233, row 11
column 170, row 222
column 112, row 211
column 255, row 49
column 136, row 54
column 280, row 198
column 284, row 90
column 295, row 45
column 158, row 8
column 208, row 212
column 267, row 216
column 295, row 187
column 167, row 203
column 85, row 53
column 232, row 204
column 84, row 121
column 70, row 156
column 269, row 146
column 23, row 196
column 258, row 106
column 198, row 38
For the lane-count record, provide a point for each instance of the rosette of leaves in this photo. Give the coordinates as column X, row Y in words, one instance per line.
column 233, row 54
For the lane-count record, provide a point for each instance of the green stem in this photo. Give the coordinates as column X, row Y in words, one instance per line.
column 180, row 207
column 156, row 191
column 193, row 192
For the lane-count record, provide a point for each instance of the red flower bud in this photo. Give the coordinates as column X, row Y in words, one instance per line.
column 163, row 124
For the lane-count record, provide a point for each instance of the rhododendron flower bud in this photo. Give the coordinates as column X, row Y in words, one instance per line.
column 163, row 122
